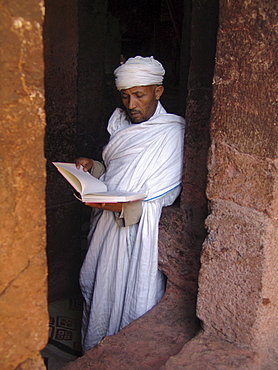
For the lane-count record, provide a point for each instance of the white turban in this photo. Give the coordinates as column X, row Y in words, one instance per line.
column 139, row 71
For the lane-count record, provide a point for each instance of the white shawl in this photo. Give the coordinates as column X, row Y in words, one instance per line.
column 120, row 280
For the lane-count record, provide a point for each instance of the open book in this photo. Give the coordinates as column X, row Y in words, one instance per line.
column 91, row 189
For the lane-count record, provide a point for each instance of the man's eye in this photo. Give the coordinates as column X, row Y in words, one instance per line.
column 124, row 97
column 139, row 96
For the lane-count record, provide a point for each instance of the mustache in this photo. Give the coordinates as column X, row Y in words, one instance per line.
column 133, row 111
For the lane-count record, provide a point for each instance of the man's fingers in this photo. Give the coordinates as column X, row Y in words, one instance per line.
column 86, row 163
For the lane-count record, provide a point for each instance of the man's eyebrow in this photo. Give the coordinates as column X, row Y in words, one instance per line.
column 138, row 92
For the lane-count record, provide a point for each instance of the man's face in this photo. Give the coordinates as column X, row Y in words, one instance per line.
column 141, row 101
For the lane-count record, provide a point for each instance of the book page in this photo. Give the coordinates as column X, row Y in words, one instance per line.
column 91, row 189
column 83, row 182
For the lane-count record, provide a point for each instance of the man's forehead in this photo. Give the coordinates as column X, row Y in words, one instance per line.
column 135, row 89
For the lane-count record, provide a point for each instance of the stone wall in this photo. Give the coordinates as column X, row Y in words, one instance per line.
column 64, row 212
column 23, row 289
column 238, row 283
column 79, row 101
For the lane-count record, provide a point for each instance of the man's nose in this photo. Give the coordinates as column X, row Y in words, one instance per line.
column 131, row 103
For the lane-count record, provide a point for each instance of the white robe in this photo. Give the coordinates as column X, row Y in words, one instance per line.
column 120, row 280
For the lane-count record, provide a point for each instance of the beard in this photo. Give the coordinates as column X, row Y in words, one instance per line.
column 136, row 116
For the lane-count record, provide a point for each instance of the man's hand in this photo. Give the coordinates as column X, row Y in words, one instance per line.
column 114, row 207
column 87, row 163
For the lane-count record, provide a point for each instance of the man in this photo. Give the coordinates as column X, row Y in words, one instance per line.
column 120, row 280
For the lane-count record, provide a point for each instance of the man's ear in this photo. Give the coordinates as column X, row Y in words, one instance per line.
column 158, row 91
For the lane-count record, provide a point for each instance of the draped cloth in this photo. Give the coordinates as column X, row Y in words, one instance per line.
column 120, row 280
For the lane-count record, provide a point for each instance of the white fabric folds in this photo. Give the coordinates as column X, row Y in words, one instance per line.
column 139, row 71
column 120, row 279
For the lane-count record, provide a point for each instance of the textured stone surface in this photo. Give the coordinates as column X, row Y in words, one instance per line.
column 35, row 363
column 207, row 352
column 250, row 181
column 177, row 260
column 234, row 295
column 238, row 281
column 23, row 291
column 147, row 342
column 246, row 77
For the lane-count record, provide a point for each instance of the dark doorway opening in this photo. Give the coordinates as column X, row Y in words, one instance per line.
column 84, row 42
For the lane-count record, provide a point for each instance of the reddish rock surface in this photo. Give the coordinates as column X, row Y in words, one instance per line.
column 23, row 290
column 206, row 352
column 148, row 342
column 238, row 288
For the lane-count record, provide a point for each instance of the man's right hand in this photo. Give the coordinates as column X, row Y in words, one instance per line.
column 87, row 163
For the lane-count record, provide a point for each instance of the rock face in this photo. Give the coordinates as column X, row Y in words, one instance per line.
column 23, row 289
column 238, row 287
column 208, row 352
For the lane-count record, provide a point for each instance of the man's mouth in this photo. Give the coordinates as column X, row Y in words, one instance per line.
column 133, row 113
column 135, row 116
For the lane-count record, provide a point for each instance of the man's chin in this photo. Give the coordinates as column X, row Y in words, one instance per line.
column 136, row 118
